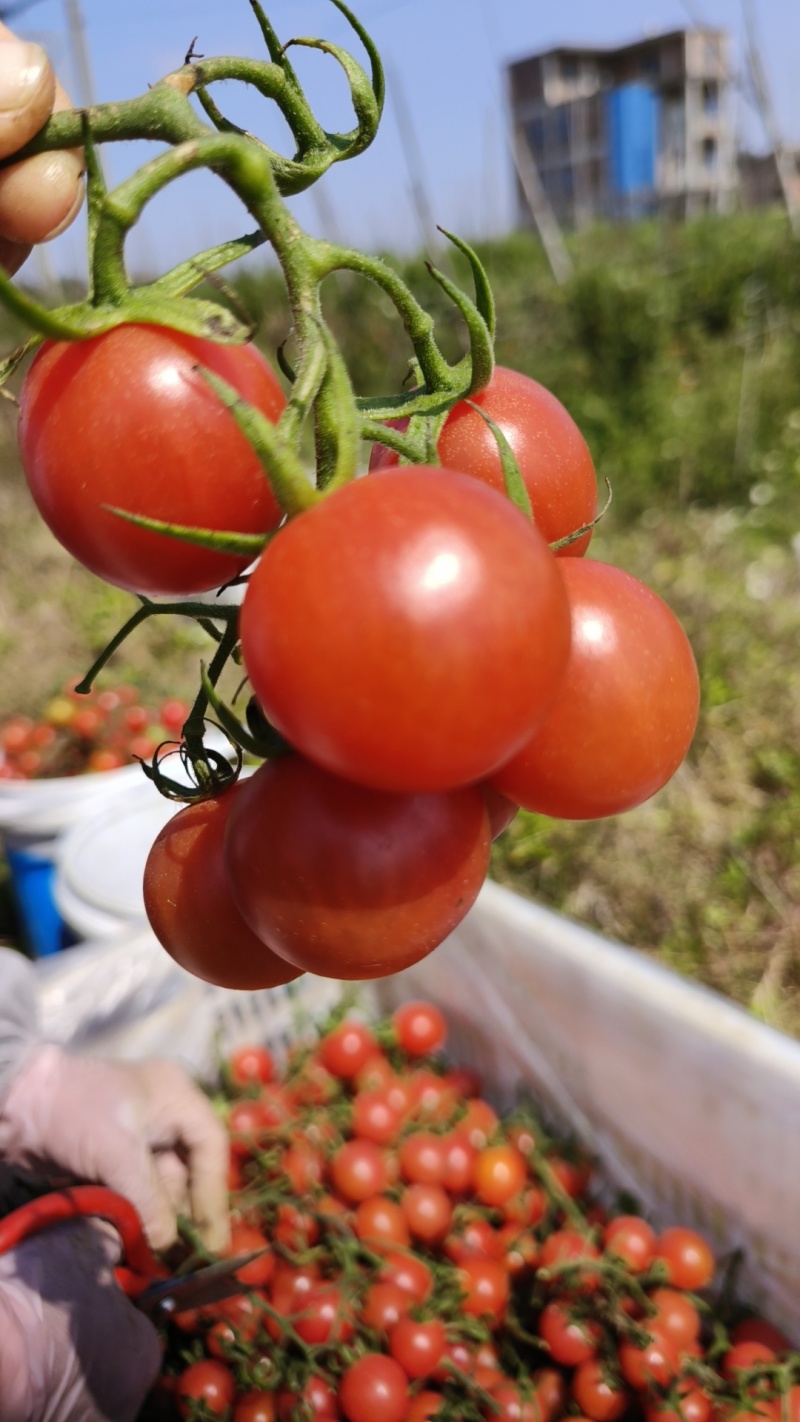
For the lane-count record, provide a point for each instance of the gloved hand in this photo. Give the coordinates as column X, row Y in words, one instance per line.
column 142, row 1128
column 72, row 1348
column 40, row 197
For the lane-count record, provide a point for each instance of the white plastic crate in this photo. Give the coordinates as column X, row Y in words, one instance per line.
column 686, row 1100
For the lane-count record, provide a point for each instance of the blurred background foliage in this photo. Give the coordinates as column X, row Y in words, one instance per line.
column 677, row 350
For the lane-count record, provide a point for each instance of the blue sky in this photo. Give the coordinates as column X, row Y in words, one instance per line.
column 444, row 57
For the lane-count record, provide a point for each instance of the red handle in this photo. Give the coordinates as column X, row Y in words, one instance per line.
column 76, row 1202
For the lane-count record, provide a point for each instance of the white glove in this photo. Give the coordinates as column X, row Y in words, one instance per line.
column 72, row 1348
column 141, row 1128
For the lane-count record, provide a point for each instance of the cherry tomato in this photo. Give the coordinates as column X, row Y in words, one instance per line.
column 374, row 1389
column 625, row 714
column 209, row 1382
column 486, row 1287
column 246, row 1239
column 675, row 1317
column 423, row 1158
column 375, row 1117
column 654, row 1362
column 596, row 1396
column 631, row 1239
column 384, row 1305
column 126, row 419
column 688, row 1257
column 255, row 1406
column 251, row 1064
column 428, row 1210
column 746, row 1355
column 418, row 1345
column 551, row 452
column 190, row 905
column 316, row 1402
column 510, row 1404
column 695, row 1405
column 380, row 1221
column 392, row 875
column 347, row 1049
column 358, row 1170
column 758, row 1330
column 500, row 1173
column 424, row 1406
column 408, row 1272
column 571, row 1340
column 408, row 632
column 420, row 1028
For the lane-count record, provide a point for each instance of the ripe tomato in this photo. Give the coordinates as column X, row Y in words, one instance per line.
column 428, row 1210
column 246, row 1239
column 597, row 1397
column 347, row 1049
column 374, row 1389
column 688, row 1257
column 251, row 1064
column 551, row 452
column 571, row 1340
column 758, row 1330
column 408, row 632
column 384, row 1305
column 375, row 1117
column 208, row 1381
column 626, row 710
column 655, row 1362
column 420, row 1028
column 380, row 1221
column 125, row 419
column 351, row 882
column 423, row 1158
column 500, row 1173
column 358, row 1170
column 418, row 1345
column 486, row 1287
column 675, row 1317
column 190, row 905
column 631, row 1239
column 255, row 1406
column 408, row 1272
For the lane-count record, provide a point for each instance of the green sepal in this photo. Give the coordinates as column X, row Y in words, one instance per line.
column 484, row 297
column 184, row 278
column 376, row 65
column 233, row 727
column 15, row 359
column 244, row 545
column 586, row 527
column 481, row 345
column 282, row 467
column 512, row 479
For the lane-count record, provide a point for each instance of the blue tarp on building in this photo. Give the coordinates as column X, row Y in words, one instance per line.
column 632, row 116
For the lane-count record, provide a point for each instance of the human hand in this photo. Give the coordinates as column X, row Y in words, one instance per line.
column 72, row 1348
column 141, row 1128
column 40, row 197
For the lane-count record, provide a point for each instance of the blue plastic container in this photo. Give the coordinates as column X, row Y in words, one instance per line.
column 33, row 880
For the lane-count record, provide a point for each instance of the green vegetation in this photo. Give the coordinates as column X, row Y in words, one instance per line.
column 677, row 349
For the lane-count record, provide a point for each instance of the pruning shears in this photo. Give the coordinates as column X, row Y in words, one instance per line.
column 141, row 1276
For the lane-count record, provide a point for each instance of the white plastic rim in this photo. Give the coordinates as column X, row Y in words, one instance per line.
column 86, row 920
column 46, row 807
column 101, row 859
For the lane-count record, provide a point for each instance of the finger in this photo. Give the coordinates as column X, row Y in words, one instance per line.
column 27, row 91
column 175, row 1179
column 185, row 1118
column 130, row 1169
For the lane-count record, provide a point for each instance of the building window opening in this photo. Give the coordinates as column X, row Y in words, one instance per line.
column 709, row 154
column 711, row 98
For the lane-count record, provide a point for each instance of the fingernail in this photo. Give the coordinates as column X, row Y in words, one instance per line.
column 21, row 68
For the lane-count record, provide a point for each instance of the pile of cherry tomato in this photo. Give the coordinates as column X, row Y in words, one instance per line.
column 77, row 735
column 424, row 1259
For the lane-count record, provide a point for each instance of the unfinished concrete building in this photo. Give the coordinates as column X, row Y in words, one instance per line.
column 623, row 133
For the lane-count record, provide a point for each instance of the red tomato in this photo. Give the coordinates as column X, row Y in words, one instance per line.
column 596, row 1397
column 347, row 1049
column 384, row 1305
column 380, row 1221
column 571, row 1340
column 486, row 1287
column 758, row 1330
column 459, row 1162
column 251, row 1064
column 325, row 1316
column 420, row 1028
column 255, row 1406
column 375, row 1117
column 392, row 875
column 510, row 1404
column 208, row 1381
column 374, row 1389
column 408, row 632
column 746, row 1355
column 418, row 1345
column 424, row 1406
column 246, row 1239
column 500, row 1173
column 687, row 1256
column 631, row 1239
column 125, row 419
column 358, row 1170
column 191, row 908
column 423, row 1158
column 552, row 455
column 625, row 713
column 409, row 1272
column 654, row 1362
column 695, row 1405
column 428, row 1210
column 675, row 1317
column 317, row 1402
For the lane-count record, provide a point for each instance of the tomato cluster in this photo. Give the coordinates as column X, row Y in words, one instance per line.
column 84, row 734
column 422, row 1258
column 430, row 662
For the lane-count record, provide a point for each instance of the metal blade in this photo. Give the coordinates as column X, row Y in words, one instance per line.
column 205, row 1286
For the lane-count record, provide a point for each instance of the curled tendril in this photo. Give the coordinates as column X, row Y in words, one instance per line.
column 210, row 772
